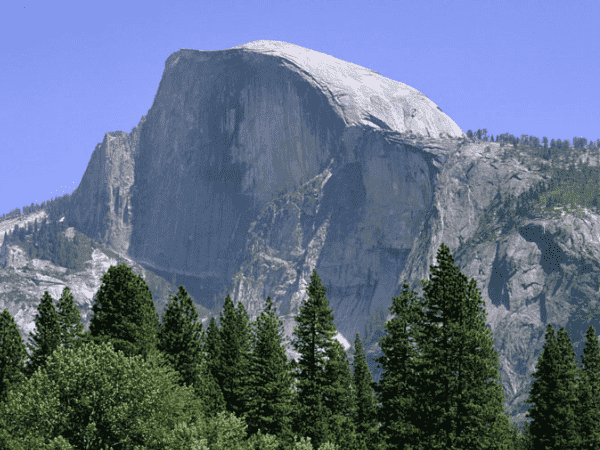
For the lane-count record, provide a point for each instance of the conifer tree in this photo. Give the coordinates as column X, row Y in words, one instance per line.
column 46, row 337
column 366, row 404
column 551, row 396
column 339, row 399
column 397, row 389
column 589, row 399
column 180, row 340
column 211, row 342
column 234, row 361
column 569, row 437
column 69, row 320
column 12, row 354
column 270, row 409
column 313, row 336
column 124, row 313
column 459, row 371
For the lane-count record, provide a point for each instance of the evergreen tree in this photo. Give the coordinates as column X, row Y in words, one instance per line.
column 180, row 340
column 552, row 395
column 469, row 134
column 397, row 389
column 313, row 337
column 211, row 342
column 339, row 399
column 46, row 337
column 569, row 438
column 124, row 313
column 589, row 398
column 366, row 404
column 69, row 320
column 12, row 354
column 235, row 358
column 462, row 395
column 270, row 409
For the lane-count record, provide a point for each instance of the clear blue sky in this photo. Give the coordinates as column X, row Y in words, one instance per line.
column 72, row 71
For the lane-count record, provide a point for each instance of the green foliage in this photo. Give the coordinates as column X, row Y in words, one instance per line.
column 124, row 312
column 47, row 335
column 313, row 337
column 212, row 348
column 69, row 320
column 233, row 363
column 366, row 403
column 553, row 394
column 92, row 396
column 12, row 355
column 270, row 409
column 588, row 406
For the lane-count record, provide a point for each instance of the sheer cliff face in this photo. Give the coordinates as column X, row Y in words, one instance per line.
column 231, row 130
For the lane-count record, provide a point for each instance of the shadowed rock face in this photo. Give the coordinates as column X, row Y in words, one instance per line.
column 257, row 164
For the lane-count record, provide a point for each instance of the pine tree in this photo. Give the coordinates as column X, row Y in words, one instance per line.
column 551, row 395
column 589, row 399
column 124, row 313
column 12, row 354
column 464, row 398
column 235, row 357
column 366, row 404
column 69, row 320
column 313, row 337
column 339, row 399
column 569, row 437
column 270, row 409
column 46, row 337
column 397, row 389
column 179, row 338
column 211, row 342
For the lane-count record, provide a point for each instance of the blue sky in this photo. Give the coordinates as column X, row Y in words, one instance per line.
column 72, row 71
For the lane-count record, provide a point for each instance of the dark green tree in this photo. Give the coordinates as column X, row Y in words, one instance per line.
column 462, row 396
column 270, row 409
column 366, row 421
column 124, row 313
column 12, row 354
column 339, row 399
column 566, row 144
column 211, row 342
column 545, row 141
column 397, row 389
column 313, row 337
column 469, row 134
column 552, row 395
column 46, row 337
column 589, row 392
column 69, row 320
column 233, row 366
column 180, row 340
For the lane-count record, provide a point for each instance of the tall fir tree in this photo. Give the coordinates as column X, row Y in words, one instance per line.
column 367, row 425
column 270, row 409
column 12, row 355
column 124, row 313
column 69, row 320
column 551, row 396
column 339, row 398
column 397, row 389
column 180, row 340
column 234, row 362
column 589, row 392
column 211, row 343
column 46, row 337
column 568, row 388
column 464, row 397
column 313, row 337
